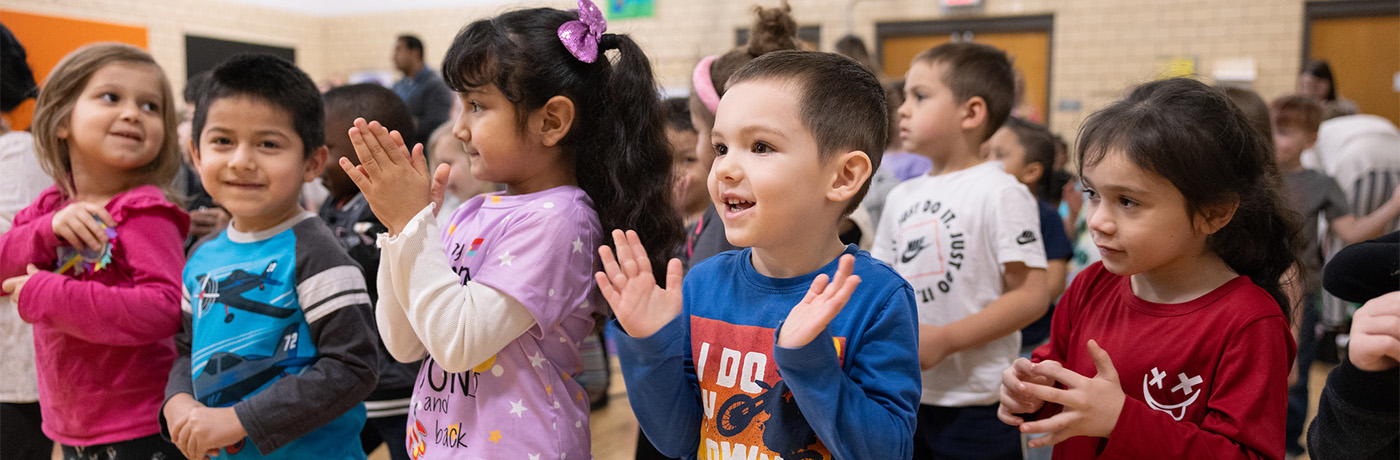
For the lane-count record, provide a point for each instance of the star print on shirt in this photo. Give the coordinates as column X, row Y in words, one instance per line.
column 518, row 406
column 506, row 258
column 495, row 436
column 578, row 244
column 536, row 360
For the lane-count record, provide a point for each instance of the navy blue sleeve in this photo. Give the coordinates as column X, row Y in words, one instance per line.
column 868, row 412
column 661, row 387
column 1057, row 245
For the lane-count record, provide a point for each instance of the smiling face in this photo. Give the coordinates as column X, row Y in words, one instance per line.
column 767, row 181
column 1138, row 219
column 117, row 122
column 252, row 162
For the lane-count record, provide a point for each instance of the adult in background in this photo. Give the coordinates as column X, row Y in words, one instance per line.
column 1316, row 81
column 428, row 99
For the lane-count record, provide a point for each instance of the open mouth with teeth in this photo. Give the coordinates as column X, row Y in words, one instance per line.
column 736, row 205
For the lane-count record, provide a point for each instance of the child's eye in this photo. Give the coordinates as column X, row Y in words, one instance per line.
column 475, row 106
column 1127, row 203
column 721, row 149
column 1090, row 194
column 762, row 147
column 150, row 107
column 220, row 141
column 109, row 97
column 268, row 145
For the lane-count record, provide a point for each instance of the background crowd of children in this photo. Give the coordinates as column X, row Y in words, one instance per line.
column 800, row 260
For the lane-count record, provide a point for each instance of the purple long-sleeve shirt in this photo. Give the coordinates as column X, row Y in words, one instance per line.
column 102, row 340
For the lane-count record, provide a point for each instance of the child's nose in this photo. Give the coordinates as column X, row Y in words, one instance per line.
column 1099, row 219
column 242, row 158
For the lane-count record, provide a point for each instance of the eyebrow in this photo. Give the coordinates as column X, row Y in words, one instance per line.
column 751, row 130
column 1120, row 189
column 265, row 132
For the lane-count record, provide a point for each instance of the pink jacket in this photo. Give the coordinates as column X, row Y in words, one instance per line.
column 102, row 341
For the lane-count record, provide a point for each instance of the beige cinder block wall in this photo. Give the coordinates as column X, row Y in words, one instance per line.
column 168, row 21
column 1100, row 47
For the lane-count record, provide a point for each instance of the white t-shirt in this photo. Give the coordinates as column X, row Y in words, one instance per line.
column 950, row 236
column 24, row 181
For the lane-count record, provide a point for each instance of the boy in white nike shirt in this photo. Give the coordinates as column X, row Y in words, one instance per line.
column 967, row 238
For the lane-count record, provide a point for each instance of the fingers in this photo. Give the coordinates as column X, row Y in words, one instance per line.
column 11, row 285
column 387, row 144
column 606, row 287
column 1055, row 371
column 818, row 287
column 643, row 262
column 416, row 157
column 31, row 269
column 356, row 173
column 625, row 258
column 674, row 274
column 1102, row 362
column 102, row 214
column 369, row 163
column 609, row 260
column 1055, row 437
column 439, row 190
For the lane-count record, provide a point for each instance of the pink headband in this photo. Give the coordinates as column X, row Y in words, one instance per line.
column 704, row 86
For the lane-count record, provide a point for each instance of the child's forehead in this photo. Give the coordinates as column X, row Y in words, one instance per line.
column 248, row 111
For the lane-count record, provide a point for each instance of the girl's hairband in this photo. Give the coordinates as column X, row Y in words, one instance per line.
column 704, row 85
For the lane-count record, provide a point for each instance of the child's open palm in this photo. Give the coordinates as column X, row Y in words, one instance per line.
column 1091, row 406
column 823, row 301
column 627, row 282
column 395, row 181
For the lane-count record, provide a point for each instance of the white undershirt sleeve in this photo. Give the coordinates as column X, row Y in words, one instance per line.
column 424, row 308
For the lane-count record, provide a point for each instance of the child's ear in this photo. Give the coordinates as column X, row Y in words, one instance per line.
column 850, row 172
column 315, row 164
column 554, row 120
column 1214, row 217
column 973, row 113
column 194, row 154
column 1032, row 173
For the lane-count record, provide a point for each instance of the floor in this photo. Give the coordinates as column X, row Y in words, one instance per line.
column 615, row 429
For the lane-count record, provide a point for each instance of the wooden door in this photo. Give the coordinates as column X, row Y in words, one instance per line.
column 1029, row 52
column 1364, row 53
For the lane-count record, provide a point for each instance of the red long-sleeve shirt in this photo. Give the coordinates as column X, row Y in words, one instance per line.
column 1204, row 379
column 102, row 341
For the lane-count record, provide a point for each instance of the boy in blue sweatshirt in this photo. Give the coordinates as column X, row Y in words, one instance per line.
column 798, row 347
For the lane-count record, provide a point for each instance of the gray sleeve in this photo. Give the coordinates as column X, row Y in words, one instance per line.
column 331, row 291
column 180, row 380
column 1334, row 202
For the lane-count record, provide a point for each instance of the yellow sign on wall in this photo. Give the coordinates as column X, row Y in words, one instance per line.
column 1176, row 66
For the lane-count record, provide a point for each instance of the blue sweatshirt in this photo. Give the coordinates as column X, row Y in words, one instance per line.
column 712, row 384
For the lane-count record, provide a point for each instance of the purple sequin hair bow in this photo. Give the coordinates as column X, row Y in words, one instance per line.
column 581, row 37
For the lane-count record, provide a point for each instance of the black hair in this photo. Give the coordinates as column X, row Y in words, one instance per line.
column 194, row 86
column 372, row 102
column 412, row 43
column 1321, row 70
column 977, row 70
column 274, row 81
column 841, row 102
column 1196, row 138
column 617, row 142
column 1039, row 145
column 16, row 79
column 678, row 114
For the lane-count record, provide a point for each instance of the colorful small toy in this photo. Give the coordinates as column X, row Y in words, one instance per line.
column 87, row 260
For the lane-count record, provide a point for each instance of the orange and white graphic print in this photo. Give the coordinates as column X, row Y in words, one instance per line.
column 749, row 411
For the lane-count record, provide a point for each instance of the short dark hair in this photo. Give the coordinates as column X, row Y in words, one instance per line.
column 678, row 113
column 1039, row 144
column 1253, row 108
column 194, row 86
column 272, row 80
column 1297, row 111
column 412, row 43
column 1322, row 71
column 842, row 103
column 977, row 70
column 375, row 103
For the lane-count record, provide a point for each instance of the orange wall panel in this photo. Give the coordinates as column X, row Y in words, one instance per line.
column 47, row 39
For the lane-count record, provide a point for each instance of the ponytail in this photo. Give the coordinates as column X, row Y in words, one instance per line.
column 625, row 166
